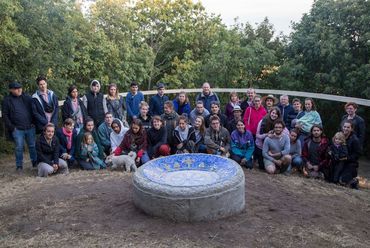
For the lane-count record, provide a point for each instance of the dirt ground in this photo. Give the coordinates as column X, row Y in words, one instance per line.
column 95, row 209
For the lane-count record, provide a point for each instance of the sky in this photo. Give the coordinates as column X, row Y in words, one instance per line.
column 279, row 12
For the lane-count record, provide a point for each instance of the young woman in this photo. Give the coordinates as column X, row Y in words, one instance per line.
column 66, row 136
column 311, row 117
column 116, row 136
column 74, row 108
column 135, row 140
column 144, row 116
column 254, row 114
column 295, row 151
column 181, row 104
column 157, row 139
column 200, row 130
column 242, row 145
column 47, row 147
column 115, row 102
column 184, row 136
column 233, row 101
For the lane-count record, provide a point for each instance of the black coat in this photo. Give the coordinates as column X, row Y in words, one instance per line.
column 47, row 153
column 67, row 110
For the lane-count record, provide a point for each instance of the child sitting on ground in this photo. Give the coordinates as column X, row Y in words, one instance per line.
column 90, row 152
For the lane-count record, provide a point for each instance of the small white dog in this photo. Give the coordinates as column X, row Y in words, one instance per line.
column 125, row 161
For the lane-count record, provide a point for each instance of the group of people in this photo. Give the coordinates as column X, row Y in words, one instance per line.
column 278, row 136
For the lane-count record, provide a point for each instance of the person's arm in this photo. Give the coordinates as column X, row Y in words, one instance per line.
column 286, row 149
column 128, row 104
column 209, row 142
column 265, row 150
column 6, row 111
column 40, row 154
column 151, row 105
column 36, row 108
column 56, row 150
column 54, row 117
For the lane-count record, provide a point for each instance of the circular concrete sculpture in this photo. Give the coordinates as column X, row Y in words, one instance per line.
column 190, row 187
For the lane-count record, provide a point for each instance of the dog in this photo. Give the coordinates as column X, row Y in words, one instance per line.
column 125, row 161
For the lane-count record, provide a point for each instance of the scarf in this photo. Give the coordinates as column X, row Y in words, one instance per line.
column 68, row 135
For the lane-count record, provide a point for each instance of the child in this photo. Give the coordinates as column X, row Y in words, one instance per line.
column 90, row 152
column 338, row 152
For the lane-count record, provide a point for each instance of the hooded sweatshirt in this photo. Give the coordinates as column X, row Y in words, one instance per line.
column 95, row 104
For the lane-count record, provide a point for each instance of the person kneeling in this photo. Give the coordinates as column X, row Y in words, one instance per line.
column 242, row 145
column 47, row 147
column 217, row 138
column 276, row 150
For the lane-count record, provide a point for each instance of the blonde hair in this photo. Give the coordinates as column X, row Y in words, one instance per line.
column 87, row 135
column 341, row 137
column 143, row 104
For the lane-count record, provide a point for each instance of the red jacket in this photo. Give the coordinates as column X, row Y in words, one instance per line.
column 322, row 151
column 252, row 117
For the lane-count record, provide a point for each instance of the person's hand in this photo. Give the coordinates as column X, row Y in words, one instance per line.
column 315, row 167
column 137, row 160
column 179, row 146
column 55, row 167
column 222, row 149
column 309, row 166
column 278, row 162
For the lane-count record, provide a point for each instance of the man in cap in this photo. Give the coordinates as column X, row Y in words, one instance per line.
column 156, row 102
column 237, row 112
column 18, row 119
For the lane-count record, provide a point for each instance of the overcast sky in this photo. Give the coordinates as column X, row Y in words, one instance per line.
column 279, row 12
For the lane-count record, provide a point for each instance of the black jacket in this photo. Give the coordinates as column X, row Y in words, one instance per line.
column 67, row 110
column 20, row 118
column 47, row 153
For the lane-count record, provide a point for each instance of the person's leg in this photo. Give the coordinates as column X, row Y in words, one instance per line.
column 63, row 166
column 269, row 166
column 44, row 169
column 30, row 136
column 297, row 162
column 258, row 155
column 18, row 136
column 285, row 162
column 236, row 158
column 145, row 158
column 86, row 165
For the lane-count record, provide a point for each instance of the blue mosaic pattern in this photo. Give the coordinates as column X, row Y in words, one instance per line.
column 189, row 170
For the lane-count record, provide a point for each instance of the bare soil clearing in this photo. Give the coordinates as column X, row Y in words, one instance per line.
column 95, row 209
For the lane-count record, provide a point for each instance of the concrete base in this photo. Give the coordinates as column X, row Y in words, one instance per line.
column 196, row 200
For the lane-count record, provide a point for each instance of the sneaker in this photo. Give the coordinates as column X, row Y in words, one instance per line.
column 19, row 170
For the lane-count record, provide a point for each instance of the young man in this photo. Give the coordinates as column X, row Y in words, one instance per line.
column 315, row 154
column 133, row 100
column 45, row 105
column 357, row 121
column 207, row 96
column 248, row 102
column 19, row 122
column 276, row 149
column 217, row 138
column 215, row 110
column 156, row 102
column 104, row 131
column 95, row 103
column 170, row 118
column 199, row 110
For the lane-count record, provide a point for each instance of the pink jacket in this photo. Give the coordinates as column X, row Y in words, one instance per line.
column 252, row 117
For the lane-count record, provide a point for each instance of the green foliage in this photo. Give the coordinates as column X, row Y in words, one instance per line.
column 329, row 50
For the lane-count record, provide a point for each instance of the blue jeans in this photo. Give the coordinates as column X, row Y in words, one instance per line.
column 297, row 162
column 19, row 136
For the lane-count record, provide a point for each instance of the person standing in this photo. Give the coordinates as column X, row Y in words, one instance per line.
column 74, row 108
column 248, row 102
column 115, row 103
column 181, row 104
column 19, row 122
column 156, row 102
column 286, row 110
column 133, row 100
column 95, row 103
column 357, row 121
column 233, row 102
column 47, row 147
column 45, row 105
column 207, row 96
column 253, row 115
column 199, row 110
